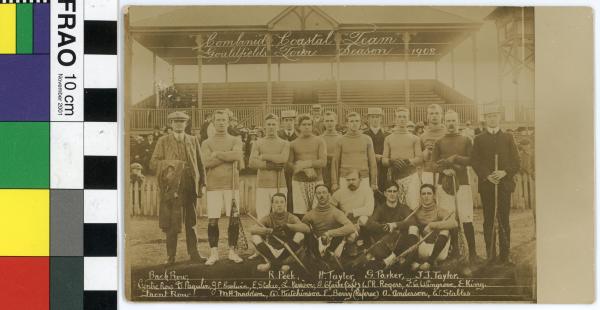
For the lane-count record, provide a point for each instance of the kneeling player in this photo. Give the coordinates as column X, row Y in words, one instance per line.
column 329, row 225
column 434, row 224
column 357, row 202
column 393, row 227
column 278, row 226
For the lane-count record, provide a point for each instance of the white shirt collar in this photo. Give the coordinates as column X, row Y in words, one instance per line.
column 375, row 130
column 493, row 130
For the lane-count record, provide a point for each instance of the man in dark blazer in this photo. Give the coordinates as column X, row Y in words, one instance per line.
column 375, row 131
column 491, row 142
column 288, row 133
column 178, row 165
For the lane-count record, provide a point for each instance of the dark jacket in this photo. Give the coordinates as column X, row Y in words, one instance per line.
column 485, row 146
column 166, row 149
column 281, row 133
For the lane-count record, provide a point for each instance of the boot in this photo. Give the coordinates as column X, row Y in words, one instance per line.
column 263, row 267
column 214, row 257
column 234, row 257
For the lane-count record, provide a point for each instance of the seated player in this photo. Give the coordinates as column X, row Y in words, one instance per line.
column 357, row 203
column 329, row 226
column 393, row 228
column 282, row 225
column 437, row 221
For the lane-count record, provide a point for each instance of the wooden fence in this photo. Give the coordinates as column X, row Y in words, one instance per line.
column 142, row 199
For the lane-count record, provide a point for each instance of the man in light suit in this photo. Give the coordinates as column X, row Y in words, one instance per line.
column 178, row 165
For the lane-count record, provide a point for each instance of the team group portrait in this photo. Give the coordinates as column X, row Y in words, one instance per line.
column 301, row 141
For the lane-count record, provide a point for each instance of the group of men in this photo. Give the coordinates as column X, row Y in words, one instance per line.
column 360, row 199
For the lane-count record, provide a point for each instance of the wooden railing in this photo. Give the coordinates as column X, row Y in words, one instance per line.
column 248, row 115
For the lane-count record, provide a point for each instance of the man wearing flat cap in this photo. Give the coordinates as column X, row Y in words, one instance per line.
column 495, row 159
column 178, row 165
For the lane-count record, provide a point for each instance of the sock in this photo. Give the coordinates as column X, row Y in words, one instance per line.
column 213, row 234
column 233, row 231
column 439, row 245
column 470, row 236
column 454, row 242
column 264, row 250
column 405, row 242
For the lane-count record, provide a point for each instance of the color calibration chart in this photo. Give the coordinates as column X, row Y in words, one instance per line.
column 58, row 154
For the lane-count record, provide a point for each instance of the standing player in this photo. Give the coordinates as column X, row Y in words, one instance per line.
column 434, row 131
column 269, row 155
column 331, row 137
column 308, row 156
column 354, row 152
column 401, row 153
column 488, row 145
column 177, row 161
column 451, row 157
column 288, row 133
column 220, row 152
column 377, row 135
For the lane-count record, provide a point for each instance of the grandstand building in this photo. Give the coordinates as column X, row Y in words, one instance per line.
column 260, row 59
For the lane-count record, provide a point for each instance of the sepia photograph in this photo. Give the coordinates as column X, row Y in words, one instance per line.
column 330, row 154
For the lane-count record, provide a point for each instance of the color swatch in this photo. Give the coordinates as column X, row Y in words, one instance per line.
column 23, row 27
column 58, row 186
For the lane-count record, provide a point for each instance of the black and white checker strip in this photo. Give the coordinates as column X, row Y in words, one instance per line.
column 100, row 149
column 24, row 1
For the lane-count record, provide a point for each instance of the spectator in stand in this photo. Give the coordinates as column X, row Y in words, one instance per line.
column 481, row 128
column 527, row 157
column 233, row 129
column 316, row 113
column 410, row 127
column 204, row 127
column 168, row 130
column 419, row 129
column 148, row 149
column 252, row 137
column 468, row 131
column 137, row 149
column 156, row 133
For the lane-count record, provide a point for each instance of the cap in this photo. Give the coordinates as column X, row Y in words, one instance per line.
column 410, row 123
column 288, row 113
column 316, row 106
column 491, row 109
column 374, row 111
column 253, row 132
column 178, row 115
